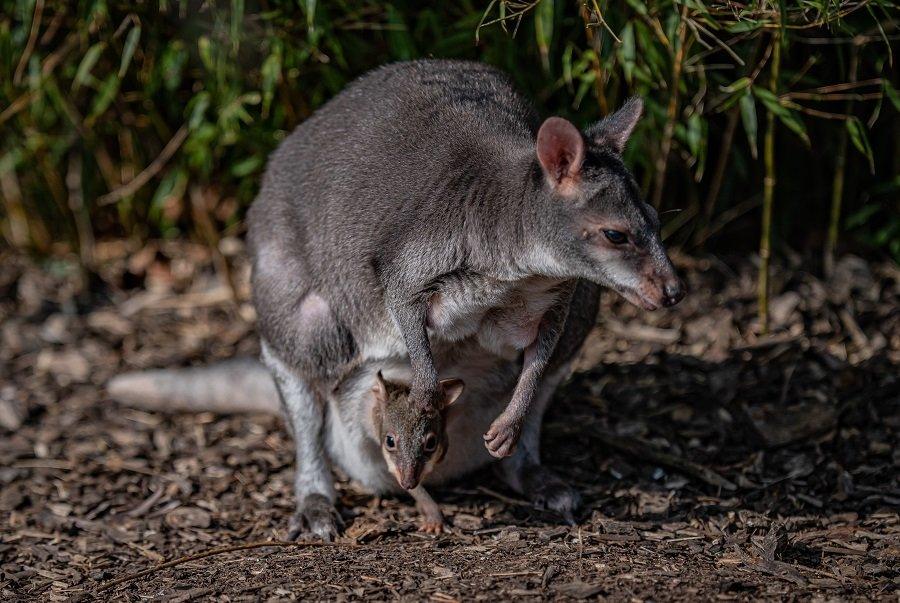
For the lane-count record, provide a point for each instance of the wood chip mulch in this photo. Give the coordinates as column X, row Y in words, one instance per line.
column 714, row 462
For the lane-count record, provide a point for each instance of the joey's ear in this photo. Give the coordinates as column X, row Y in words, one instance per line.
column 614, row 130
column 451, row 390
column 560, row 149
column 379, row 388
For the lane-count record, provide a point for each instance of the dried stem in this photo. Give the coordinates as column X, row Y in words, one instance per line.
column 768, row 191
column 131, row 187
column 837, row 184
column 79, row 213
column 718, row 178
column 662, row 159
column 593, row 38
column 29, row 46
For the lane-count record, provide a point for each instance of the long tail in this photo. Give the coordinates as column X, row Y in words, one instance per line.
column 232, row 386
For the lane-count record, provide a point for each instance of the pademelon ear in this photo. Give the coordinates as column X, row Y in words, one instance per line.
column 560, row 150
column 379, row 388
column 450, row 391
column 614, row 130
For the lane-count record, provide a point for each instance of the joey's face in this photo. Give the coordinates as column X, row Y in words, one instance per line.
column 413, row 439
column 600, row 228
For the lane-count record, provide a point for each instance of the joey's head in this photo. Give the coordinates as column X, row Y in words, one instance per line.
column 594, row 223
column 413, row 439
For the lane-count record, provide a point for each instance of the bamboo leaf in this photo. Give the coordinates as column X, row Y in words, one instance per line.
column 638, row 6
column 310, row 6
column 742, row 26
column 860, row 140
column 271, row 73
column 892, row 94
column 737, row 85
column 245, row 167
column 105, row 96
column 204, row 46
column 401, row 43
column 748, row 118
column 197, row 109
column 237, row 22
column 543, row 30
column 786, row 116
column 87, row 63
column 626, row 51
column 131, row 42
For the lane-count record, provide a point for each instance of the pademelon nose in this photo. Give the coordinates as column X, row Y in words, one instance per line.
column 674, row 292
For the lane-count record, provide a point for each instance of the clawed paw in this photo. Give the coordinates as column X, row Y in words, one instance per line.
column 315, row 519
column 548, row 492
column 502, row 436
column 431, row 526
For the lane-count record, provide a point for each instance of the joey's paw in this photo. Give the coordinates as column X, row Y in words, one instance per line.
column 502, row 436
column 433, row 526
column 315, row 518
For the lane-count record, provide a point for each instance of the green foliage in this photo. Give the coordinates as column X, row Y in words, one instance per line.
column 191, row 94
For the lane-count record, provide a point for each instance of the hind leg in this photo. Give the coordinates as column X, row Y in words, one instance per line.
column 313, row 482
column 523, row 471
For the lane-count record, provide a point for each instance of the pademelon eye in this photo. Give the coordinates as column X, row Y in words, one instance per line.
column 389, row 442
column 430, row 444
column 615, row 237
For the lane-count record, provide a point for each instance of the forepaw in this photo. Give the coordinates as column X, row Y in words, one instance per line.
column 433, row 526
column 315, row 518
column 502, row 436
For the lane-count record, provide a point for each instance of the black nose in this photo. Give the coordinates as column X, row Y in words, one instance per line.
column 674, row 292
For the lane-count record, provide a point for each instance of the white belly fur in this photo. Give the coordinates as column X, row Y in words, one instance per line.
column 352, row 447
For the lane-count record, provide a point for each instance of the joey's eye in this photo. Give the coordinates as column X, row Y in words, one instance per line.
column 389, row 442
column 615, row 237
column 430, row 444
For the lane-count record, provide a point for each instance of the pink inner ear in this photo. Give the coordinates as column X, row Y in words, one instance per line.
column 560, row 149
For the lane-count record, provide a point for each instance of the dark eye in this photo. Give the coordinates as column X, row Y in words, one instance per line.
column 615, row 237
column 430, row 444
column 389, row 442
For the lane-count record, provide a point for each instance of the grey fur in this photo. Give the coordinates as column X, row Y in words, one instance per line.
column 414, row 212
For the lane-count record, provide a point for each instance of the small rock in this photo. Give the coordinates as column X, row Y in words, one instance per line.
column 579, row 589
column 188, row 517
column 464, row 521
column 782, row 307
column 66, row 366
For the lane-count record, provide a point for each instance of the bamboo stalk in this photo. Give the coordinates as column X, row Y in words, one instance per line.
column 83, row 229
column 662, row 160
column 718, row 178
column 837, row 184
column 765, row 239
column 593, row 38
column 15, row 230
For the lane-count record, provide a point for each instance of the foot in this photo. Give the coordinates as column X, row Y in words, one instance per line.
column 315, row 518
column 432, row 526
column 502, row 435
column 432, row 518
column 548, row 491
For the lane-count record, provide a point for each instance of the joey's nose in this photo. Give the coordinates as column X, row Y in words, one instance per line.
column 673, row 292
column 408, row 478
column 408, row 482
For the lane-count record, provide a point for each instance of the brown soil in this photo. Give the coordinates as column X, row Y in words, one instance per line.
column 714, row 463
